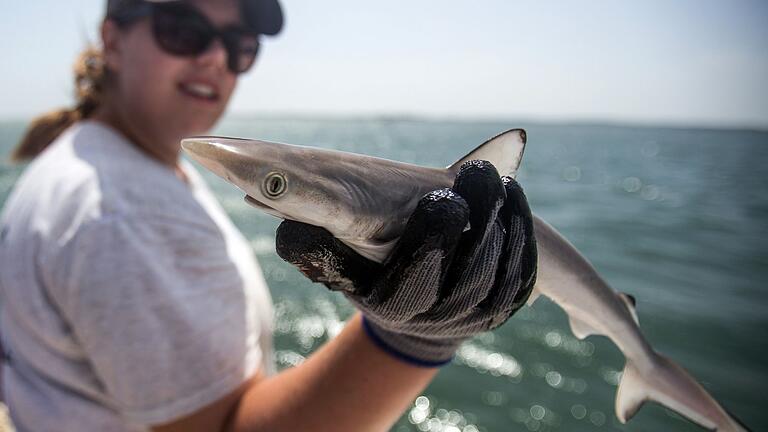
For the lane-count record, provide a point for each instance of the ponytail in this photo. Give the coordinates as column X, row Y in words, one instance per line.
column 90, row 77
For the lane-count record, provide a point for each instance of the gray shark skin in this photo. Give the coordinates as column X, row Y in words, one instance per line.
column 366, row 201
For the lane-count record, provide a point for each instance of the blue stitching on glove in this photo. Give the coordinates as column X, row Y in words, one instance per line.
column 399, row 355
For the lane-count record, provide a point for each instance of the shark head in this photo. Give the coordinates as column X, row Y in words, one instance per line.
column 275, row 178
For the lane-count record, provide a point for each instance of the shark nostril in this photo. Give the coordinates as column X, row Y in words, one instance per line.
column 274, row 185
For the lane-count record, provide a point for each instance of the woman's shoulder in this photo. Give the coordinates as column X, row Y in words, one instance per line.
column 91, row 172
column 128, row 180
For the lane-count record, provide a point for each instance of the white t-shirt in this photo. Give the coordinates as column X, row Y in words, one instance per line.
column 127, row 296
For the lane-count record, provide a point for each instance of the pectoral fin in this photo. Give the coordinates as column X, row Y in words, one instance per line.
column 580, row 329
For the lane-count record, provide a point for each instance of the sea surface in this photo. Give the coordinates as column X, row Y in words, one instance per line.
column 676, row 217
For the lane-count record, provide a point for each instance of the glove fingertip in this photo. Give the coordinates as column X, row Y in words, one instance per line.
column 437, row 222
column 479, row 183
column 440, row 210
column 516, row 203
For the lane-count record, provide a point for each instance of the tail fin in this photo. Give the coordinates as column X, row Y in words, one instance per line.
column 504, row 151
column 665, row 382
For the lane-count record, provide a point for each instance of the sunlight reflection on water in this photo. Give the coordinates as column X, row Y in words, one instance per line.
column 426, row 418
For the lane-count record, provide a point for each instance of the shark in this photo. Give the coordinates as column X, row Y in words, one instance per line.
column 366, row 201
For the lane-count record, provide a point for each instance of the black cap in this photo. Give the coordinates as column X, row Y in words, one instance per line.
column 264, row 16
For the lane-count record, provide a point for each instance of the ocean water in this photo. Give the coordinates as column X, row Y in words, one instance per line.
column 676, row 217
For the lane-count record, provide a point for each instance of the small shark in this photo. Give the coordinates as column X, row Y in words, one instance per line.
column 365, row 202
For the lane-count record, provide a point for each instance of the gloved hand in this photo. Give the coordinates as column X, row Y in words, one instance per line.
column 441, row 284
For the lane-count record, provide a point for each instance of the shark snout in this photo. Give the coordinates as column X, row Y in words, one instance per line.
column 224, row 158
column 208, row 154
column 196, row 146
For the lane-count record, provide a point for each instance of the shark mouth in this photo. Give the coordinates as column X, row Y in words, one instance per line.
column 263, row 207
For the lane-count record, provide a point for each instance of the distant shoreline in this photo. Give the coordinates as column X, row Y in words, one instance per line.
column 426, row 118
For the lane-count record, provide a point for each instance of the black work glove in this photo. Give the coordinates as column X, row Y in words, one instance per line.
column 441, row 284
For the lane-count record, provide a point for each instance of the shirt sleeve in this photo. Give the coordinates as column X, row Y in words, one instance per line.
column 161, row 313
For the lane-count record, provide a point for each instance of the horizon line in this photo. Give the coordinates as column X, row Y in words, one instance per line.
column 469, row 118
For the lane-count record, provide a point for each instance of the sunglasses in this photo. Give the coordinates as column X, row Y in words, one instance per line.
column 180, row 29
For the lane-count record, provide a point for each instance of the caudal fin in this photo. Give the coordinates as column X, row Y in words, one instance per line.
column 665, row 382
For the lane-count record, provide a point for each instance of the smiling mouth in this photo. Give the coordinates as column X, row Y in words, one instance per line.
column 200, row 91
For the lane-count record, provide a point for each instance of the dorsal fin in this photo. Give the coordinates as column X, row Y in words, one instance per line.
column 504, row 151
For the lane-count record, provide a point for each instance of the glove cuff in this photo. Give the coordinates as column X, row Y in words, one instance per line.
column 417, row 351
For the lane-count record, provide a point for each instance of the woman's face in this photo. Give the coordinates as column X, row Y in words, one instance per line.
column 161, row 98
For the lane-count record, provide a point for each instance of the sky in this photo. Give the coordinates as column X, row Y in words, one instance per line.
column 671, row 62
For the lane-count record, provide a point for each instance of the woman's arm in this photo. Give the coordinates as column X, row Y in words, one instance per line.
column 349, row 384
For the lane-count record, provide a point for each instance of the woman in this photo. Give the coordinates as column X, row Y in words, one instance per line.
column 130, row 302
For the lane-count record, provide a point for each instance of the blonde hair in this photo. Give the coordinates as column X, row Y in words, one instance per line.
column 90, row 78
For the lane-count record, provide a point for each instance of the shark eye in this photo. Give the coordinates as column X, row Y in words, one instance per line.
column 274, row 185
